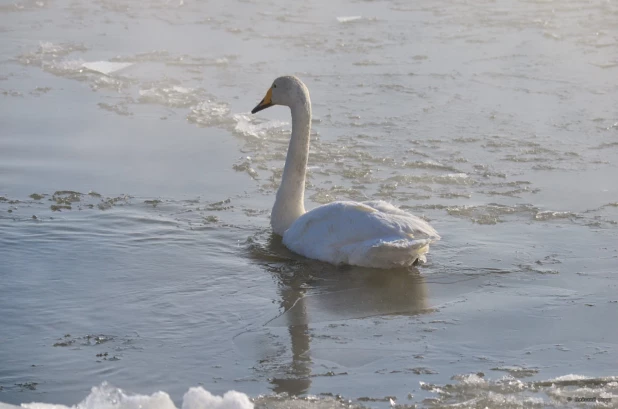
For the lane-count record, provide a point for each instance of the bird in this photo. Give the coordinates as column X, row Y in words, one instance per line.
column 374, row 234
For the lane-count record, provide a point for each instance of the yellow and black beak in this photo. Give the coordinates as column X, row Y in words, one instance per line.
column 265, row 103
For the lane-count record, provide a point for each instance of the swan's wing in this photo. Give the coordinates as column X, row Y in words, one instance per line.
column 341, row 231
column 415, row 225
column 337, row 222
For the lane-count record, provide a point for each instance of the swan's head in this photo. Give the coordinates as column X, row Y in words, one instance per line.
column 288, row 91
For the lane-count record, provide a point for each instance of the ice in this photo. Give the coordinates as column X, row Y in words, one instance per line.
column 106, row 396
column 54, row 50
column 199, row 398
column 347, row 19
column 457, row 175
column 473, row 379
column 65, row 67
column 106, row 67
column 172, row 96
column 246, row 126
column 468, row 388
column 570, row 377
column 549, row 215
column 210, row 113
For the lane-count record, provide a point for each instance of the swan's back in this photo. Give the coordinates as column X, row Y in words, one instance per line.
column 369, row 234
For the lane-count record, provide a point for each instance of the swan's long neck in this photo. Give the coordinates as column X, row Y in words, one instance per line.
column 289, row 204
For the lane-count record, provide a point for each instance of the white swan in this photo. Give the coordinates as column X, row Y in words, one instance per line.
column 368, row 234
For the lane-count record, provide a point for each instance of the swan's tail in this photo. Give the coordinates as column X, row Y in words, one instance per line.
column 397, row 252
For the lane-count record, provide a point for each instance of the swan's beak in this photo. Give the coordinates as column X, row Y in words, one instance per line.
column 265, row 103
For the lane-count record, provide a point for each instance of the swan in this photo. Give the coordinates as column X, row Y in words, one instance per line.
column 372, row 234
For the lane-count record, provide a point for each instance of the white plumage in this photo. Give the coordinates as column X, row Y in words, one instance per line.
column 368, row 234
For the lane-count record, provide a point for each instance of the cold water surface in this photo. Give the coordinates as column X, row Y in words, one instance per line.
column 135, row 191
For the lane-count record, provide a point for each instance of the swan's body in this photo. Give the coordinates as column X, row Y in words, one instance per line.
column 368, row 234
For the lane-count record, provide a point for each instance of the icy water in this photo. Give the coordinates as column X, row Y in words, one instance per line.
column 135, row 191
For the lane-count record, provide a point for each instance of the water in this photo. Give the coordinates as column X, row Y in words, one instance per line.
column 135, row 191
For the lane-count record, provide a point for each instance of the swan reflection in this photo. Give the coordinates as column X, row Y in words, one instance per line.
column 313, row 292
